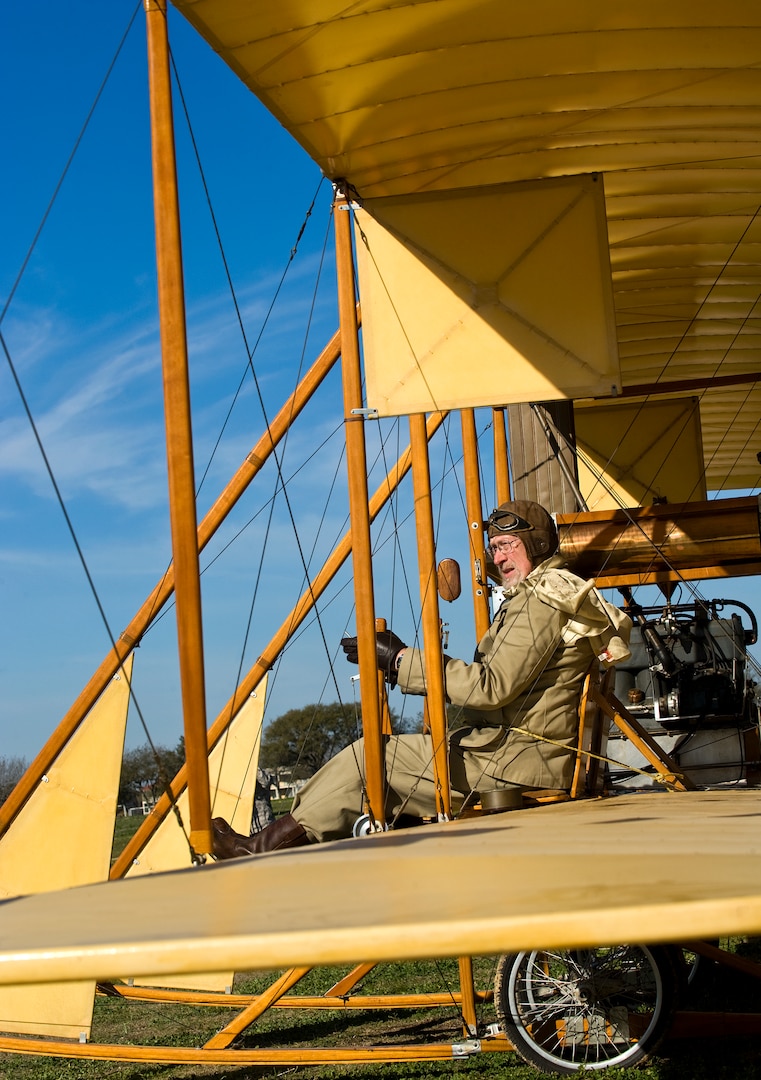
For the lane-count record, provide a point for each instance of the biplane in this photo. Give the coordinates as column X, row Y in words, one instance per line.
column 547, row 227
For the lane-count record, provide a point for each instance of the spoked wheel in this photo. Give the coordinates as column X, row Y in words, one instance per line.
column 566, row 1010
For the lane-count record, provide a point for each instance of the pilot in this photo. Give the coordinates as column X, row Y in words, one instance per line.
column 519, row 697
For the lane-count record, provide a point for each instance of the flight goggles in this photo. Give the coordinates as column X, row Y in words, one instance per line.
column 505, row 521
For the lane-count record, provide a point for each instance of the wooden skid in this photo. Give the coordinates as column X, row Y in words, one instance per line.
column 296, row 1001
column 180, row 1055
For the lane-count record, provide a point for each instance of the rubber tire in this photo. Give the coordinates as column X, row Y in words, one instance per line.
column 574, row 986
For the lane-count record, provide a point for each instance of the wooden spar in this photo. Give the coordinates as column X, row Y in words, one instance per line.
column 179, row 435
column 150, row 608
column 475, row 522
column 431, row 623
column 309, row 598
column 668, row 542
column 501, row 460
column 256, row 1008
column 686, row 386
column 468, row 997
column 356, row 459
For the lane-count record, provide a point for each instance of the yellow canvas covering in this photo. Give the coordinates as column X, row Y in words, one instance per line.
column 455, row 291
column 662, row 98
column 43, row 850
column 643, row 454
column 573, row 874
column 232, row 775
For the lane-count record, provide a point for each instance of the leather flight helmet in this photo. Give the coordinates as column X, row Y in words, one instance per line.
column 530, row 522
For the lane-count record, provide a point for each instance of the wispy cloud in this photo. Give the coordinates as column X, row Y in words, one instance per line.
column 96, row 397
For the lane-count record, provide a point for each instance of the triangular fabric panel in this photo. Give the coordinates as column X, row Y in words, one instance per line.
column 232, row 776
column 633, row 453
column 62, row 838
column 498, row 294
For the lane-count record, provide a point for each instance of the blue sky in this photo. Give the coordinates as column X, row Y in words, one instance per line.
column 82, row 332
column 81, row 329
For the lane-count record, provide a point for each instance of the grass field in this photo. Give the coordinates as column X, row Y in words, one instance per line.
column 119, row 1021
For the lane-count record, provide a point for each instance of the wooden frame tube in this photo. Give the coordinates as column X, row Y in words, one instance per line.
column 475, row 522
column 177, row 419
column 501, row 459
column 431, row 622
column 356, row 458
column 664, row 542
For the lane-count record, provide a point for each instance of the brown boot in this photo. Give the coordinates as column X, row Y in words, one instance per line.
column 284, row 832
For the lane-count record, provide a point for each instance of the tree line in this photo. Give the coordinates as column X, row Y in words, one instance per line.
column 301, row 740
column 11, row 771
column 145, row 772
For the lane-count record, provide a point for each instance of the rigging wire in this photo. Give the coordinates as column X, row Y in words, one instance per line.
column 683, row 337
column 422, row 374
column 413, row 353
column 256, row 588
column 403, row 808
column 389, row 510
column 281, row 480
column 692, row 587
column 250, row 349
column 397, row 553
column 278, row 485
column 164, row 779
column 69, row 163
column 207, row 467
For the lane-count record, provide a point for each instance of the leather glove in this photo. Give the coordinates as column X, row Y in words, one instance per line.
column 349, row 646
column 387, row 645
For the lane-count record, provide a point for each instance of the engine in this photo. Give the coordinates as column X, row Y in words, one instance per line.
column 688, row 684
column 688, row 667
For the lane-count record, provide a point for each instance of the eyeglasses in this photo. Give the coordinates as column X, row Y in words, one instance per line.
column 503, row 546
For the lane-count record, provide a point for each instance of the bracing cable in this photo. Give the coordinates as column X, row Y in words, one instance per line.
column 69, row 162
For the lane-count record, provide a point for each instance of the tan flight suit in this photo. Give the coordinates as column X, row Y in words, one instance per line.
column 525, row 682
